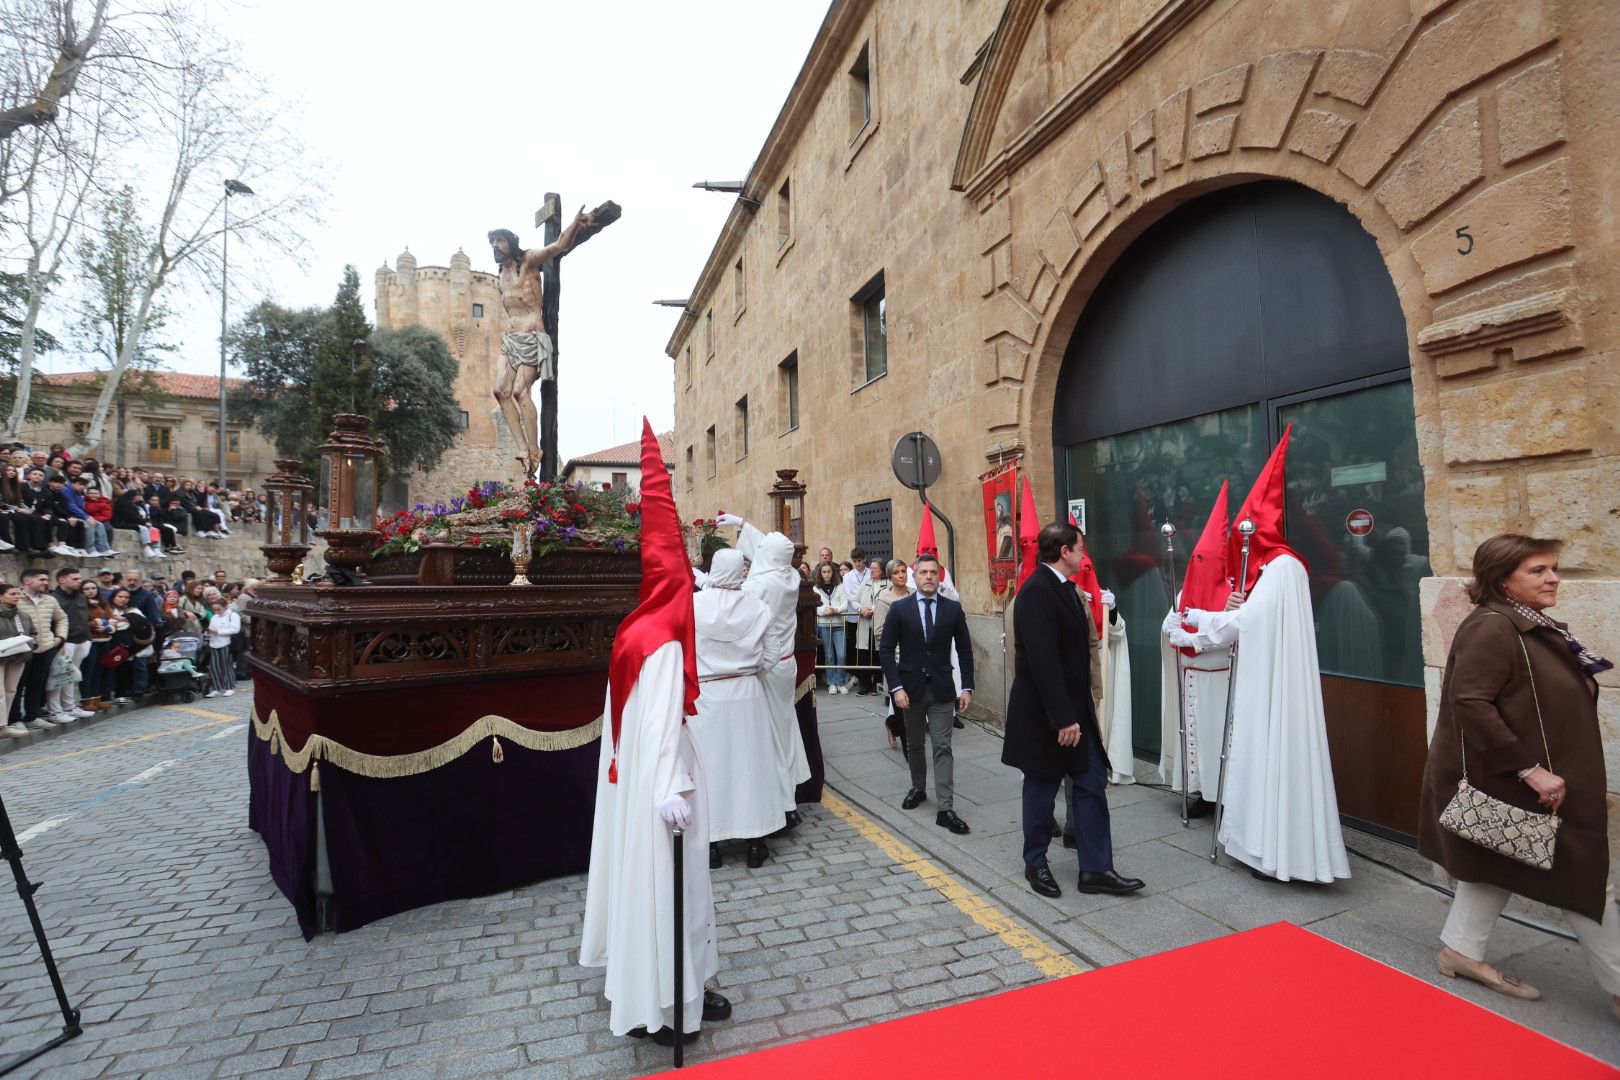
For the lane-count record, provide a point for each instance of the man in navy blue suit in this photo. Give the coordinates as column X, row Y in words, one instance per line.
column 918, row 636
column 1052, row 730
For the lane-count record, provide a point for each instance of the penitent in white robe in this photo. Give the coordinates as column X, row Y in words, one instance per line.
column 773, row 581
column 629, row 896
column 1205, row 679
column 1115, row 713
column 733, row 722
column 1282, row 813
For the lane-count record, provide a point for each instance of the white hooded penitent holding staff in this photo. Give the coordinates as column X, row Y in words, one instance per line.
column 651, row 794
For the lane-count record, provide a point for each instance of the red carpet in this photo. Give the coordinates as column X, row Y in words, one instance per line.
column 1273, row 1002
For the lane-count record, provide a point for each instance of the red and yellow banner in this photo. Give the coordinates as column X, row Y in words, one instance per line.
column 1001, row 524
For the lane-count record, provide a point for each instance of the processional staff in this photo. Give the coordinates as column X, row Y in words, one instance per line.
column 679, row 875
column 1168, row 531
column 1246, row 530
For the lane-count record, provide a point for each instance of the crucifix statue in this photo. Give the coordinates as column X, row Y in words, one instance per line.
column 530, row 283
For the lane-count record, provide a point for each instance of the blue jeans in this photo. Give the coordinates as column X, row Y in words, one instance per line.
column 832, row 652
column 1088, row 816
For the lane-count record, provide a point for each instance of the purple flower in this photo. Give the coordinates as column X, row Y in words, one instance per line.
column 542, row 525
column 440, row 509
column 457, row 504
column 618, row 545
column 421, row 506
column 569, row 533
column 579, row 485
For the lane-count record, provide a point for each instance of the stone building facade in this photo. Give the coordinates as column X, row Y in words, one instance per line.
column 618, row 465
column 956, row 182
column 463, row 306
column 170, row 424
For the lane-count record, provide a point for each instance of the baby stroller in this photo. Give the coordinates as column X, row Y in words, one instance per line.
column 177, row 676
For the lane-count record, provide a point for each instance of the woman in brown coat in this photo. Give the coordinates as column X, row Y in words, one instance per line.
column 1494, row 707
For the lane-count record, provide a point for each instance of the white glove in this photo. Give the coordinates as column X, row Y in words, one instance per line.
column 1194, row 618
column 699, row 577
column 676, row 812
column 728, row 519
column 1108, row 599
column 1181, row 639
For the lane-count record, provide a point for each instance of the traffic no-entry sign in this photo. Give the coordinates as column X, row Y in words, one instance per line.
column 1359, row 523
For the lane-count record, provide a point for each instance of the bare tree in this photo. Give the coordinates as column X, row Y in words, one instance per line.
column 52, row 194
column 38, row 100
column 210, row 122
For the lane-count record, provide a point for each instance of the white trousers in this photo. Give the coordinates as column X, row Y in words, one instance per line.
column 1477, row 907
column 66, row 699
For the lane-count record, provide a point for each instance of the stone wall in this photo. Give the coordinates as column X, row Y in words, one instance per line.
column 1014, row 151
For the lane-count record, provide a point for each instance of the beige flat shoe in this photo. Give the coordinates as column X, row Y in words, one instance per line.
column 1452, row 964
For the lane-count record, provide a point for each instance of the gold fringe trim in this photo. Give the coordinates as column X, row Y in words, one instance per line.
column 806, row 687
column 390, row 766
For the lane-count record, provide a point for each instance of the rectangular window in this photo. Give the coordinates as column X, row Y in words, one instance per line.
column 462, row 419
column 81, row 428
column 709, row 451
column 160, row 445
column 691, row 466
column 233, row 442
column 621, row 481
column 784, row 213
column 689, row 367
column 478, row 311
column 708, row 334
column 787, row 391
column 741, row 434
column 860, row 92
column 874, row 529
column 738, row 290
column 871, row 309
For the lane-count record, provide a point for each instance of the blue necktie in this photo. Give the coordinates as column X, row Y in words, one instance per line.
column 928, row 619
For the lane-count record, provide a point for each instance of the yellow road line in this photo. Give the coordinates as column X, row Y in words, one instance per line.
column 123, row 742
column 203, row 712
column 1050, row 962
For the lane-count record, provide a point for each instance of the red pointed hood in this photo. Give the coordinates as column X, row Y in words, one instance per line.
column 1143, row 555
column 926, row 544
column 1264, row 507
column 1209, row 579
column 1029, row 531
column 1086, row 579
column 665, row 611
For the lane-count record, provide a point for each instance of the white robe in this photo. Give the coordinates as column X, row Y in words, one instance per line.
column 1115, row 714
column 1205, row 679
column 1282, row 813
column 773, row 581
column 629, row 896
column 733, row 722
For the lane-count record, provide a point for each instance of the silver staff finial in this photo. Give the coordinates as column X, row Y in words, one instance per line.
column 1246, row 527
column 1167, row 530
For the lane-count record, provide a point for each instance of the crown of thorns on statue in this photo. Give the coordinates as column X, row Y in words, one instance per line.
column 512, row 245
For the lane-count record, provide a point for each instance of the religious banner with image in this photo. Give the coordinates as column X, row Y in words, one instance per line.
column 1000, row 524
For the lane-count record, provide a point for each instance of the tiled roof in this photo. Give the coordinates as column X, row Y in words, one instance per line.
column 625, row 454
column 173, row 383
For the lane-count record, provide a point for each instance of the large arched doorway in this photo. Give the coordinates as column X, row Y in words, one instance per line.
column 1241, row 312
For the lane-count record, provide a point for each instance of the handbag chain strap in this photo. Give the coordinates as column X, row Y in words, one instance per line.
column 1535, row 697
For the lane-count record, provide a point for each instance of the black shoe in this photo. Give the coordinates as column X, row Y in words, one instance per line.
column 914, row 798
column 1108, row 883
column 956, row 722
column 757, row 854
column 714, row 856
column 663, row 1036
column 947, row 819
column 715, row 1007
column 1200, row 807
column 1057, row 830
column 1069, row 840
column 1042, row 881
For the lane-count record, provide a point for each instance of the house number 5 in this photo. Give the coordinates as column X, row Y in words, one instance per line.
column 1465, row 242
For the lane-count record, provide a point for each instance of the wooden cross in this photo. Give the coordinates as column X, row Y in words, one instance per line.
column 549, row 216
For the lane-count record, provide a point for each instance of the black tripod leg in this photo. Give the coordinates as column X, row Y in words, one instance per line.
column 12, row 852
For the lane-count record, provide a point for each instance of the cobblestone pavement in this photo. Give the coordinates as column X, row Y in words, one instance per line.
column 188, row 962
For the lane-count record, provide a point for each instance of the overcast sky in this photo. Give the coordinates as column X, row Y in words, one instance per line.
column 443, row 120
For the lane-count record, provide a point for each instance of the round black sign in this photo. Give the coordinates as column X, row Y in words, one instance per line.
column 916, row 460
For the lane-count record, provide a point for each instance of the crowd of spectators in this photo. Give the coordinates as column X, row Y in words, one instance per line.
column 71, row 646
column 53, row 504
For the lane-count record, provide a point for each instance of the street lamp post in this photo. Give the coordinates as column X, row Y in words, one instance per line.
column 232, row 187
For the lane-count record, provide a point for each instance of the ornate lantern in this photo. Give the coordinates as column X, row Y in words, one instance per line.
column 787, row 504
column 349, row 491
column 286, row 524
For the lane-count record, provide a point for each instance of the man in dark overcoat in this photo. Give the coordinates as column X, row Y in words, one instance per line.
column 1052, row 730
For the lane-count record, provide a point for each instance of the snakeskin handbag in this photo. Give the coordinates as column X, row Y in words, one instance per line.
column 1524, row 836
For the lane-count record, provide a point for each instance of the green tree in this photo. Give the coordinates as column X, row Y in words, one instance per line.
column 13, row 302
column 275, row 348
column 413, row 378
column 343, row 376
